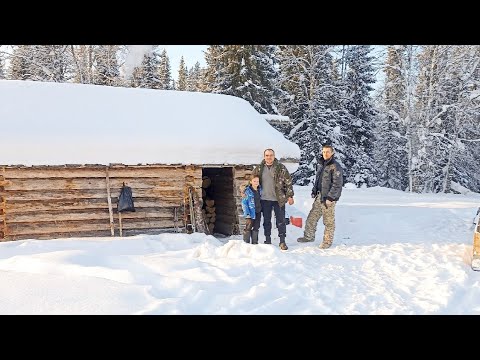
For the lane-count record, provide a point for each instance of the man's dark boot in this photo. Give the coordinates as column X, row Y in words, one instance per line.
column 283, row 245
column 246, row 236
column 254, row 237
column 304, row 239
column 268, row 240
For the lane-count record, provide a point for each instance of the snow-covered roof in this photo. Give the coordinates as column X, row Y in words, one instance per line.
column 45, row 123
column 277, row 119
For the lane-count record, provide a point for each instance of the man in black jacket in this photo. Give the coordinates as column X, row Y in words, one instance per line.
column 326, row 192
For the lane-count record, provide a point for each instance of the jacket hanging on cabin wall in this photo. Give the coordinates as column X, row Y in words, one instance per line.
column 125, row 200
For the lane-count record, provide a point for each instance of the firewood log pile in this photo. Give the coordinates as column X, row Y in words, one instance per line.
column 208, row 203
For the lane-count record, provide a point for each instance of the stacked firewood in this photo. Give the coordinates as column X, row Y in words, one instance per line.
column 208, row 203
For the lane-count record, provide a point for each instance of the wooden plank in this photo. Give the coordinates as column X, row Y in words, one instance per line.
column 22, row 206
column 91, row 184
column 57, row 227
column 120, row 227
column 131, row 224
column 164, row 172
column 81, row 226
column 150, row 213
column 89, row 234
column 109, row 200
column 89, row 194
column 86, row 215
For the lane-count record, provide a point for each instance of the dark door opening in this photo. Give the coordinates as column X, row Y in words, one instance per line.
column 218, row 200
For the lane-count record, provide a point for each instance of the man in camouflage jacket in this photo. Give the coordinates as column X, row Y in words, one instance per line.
column 326, row 191
column 277, row 190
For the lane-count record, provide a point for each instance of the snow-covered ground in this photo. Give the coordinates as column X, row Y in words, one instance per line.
column 394, row 253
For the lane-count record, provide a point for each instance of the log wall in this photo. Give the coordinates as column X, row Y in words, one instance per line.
column 242, row 176
column 66, row 201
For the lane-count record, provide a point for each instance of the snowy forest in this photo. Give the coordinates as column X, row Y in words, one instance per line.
column 417, row 129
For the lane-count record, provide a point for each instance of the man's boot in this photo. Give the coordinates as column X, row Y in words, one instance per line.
column 254, row 237
column 246, row 236
column 268, row 240
column 283, row 245
column 304, row 239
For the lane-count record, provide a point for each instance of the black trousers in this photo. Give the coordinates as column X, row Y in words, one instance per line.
column 267, row 207
column 255, row 224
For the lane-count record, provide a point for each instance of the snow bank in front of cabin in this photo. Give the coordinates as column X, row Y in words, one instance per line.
column 45, row 123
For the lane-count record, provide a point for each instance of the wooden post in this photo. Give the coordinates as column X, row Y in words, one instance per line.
column 112, row 225
column 3, row 200
column 120, row 223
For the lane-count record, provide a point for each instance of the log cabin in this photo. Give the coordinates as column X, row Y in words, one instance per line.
column 67, row 149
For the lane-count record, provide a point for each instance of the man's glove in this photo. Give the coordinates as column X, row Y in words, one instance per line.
column 313, row 195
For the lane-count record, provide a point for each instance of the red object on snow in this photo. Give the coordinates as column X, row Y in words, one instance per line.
column 296, row 221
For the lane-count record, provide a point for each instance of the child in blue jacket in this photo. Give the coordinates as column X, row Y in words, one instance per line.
column 252, row 210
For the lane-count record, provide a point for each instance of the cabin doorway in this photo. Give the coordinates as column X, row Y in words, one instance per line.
column 219, row 201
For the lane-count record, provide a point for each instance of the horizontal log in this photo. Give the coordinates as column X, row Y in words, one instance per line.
column 92, row 234
column 145, row 225
column 81, row 226
column 22, row 206
column 82, row 215
column 88, row 194
column 91, row 184
column 56, row 227
column 82, row 234
column 244, row 167
column 164, row 172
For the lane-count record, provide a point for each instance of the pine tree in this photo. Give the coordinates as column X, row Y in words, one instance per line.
column 106, row 68
column 359, row 165
column 147, row 75
column 182, row 76
column 213, row 58
column 311, row 98
column 2, row 67
column 51, row 63
column 164, row 72
column 194, row 78
column 246, row 71
column 21, row 63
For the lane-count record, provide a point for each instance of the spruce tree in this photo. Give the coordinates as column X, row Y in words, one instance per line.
column 164, row 72
column 182, row 76
column 213, row 58
column 146, row 75
column 2, row 67
column 194, row 78
column 359, row 165
column 245, row 71
column 106, row 68
column 312, row 100
column 21, row 63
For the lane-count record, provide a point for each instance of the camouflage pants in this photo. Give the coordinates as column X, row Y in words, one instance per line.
column 328, row 212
